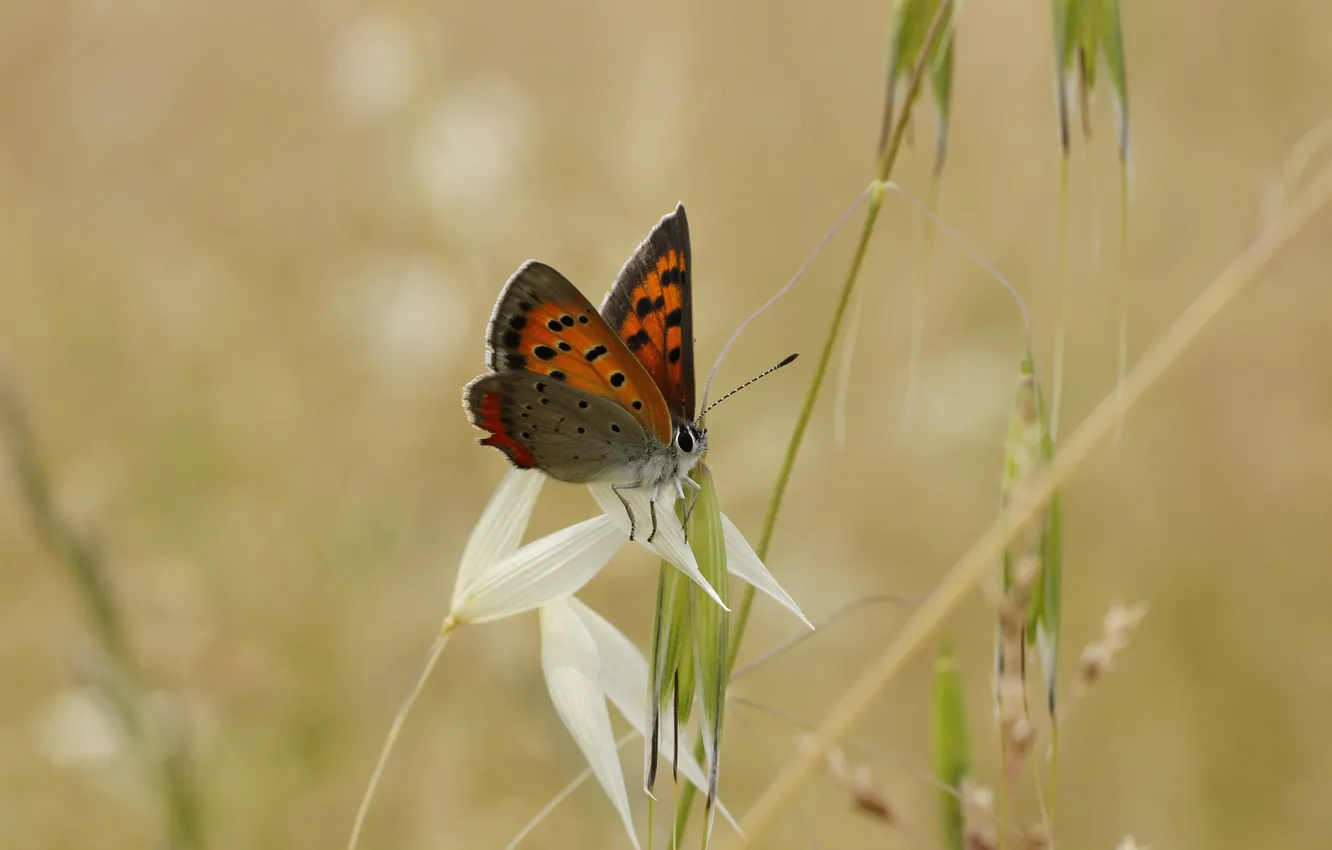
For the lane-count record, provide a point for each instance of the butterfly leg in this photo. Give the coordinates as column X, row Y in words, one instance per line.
column 689, row 503
column 633, row 485
column 652, row 509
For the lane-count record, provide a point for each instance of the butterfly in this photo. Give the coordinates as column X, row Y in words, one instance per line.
column 587, row 395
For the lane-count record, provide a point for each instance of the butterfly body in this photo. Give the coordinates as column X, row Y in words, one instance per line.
column 597, row 396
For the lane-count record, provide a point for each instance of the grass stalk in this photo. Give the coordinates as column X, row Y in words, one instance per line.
column 919, row 297
column 1061, row 321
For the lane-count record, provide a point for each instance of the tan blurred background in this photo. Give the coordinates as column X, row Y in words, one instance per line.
column 247, row 252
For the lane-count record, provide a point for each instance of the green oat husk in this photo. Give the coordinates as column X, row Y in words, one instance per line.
column 712, row 629
column 1028, row 448
column 671, row 641
column 952, row 754
column 911, row 21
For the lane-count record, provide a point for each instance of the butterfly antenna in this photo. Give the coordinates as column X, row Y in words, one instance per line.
column 765, row 373
column 707, row 387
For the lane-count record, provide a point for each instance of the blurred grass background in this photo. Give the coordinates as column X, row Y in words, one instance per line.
column 247, row 252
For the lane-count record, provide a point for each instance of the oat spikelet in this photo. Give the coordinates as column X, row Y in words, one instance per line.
column 1037, row 837
column 978, row 817
column 858, row 780
column 1099, row 657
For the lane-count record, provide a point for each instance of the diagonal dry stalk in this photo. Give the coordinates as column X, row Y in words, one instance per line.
column 1097, row 429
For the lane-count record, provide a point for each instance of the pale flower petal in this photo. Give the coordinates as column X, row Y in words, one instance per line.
column 572, row 665
column 669, row 542
column 624, row 678
column 543, row 571
column 743, row 562
column 500, row 528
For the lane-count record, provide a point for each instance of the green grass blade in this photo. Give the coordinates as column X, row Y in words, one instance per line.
column 685, row 678
column 941, row 87
column 712, row 630
column 670, row 642
column 952, row 754
column 1064, row 17
column 1022, row 456
column 907, row 31
column 1116, row 66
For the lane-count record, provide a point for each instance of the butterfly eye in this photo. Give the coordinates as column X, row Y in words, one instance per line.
column 685, row 440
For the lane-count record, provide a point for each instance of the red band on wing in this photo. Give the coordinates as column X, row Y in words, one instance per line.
column 489, row 419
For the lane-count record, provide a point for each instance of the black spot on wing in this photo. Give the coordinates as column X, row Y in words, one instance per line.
column 637, row 340
column 643, row 307
column 593, row 353
column 544, row 352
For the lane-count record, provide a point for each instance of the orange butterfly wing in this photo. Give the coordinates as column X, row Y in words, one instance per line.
column 651, row 310
column 544, row 325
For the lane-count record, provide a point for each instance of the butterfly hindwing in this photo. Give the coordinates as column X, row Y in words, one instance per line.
column 651, row 311
column 544, row 326
column 546, row 424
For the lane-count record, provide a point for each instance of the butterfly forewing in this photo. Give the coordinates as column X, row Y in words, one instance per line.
column 546, row 424
column 543, row 325
column 652, row 313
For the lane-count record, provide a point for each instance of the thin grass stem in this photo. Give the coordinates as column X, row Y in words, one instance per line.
column 432, row 656
column 919, row 298
column 1061, row 321
column 564, row 794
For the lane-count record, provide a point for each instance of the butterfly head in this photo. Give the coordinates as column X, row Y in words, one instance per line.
column 690, row 443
